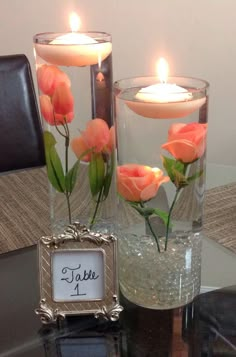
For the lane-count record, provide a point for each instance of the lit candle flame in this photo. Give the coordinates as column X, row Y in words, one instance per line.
column 74, row 22
column 162, row 70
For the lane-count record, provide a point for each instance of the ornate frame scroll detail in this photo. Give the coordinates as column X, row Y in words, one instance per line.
column 78, row 237
column 112, row 313
column 46, row 314
column 80, row 233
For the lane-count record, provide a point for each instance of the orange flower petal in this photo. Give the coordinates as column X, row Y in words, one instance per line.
column 62, row 100
column 138, row 183
column 49, row 76
column 79, row 146
column 182, row 150
column 97, row 134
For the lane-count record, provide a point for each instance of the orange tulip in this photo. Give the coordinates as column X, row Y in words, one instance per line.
column 62, row 99
column 186, row 142
column 78, row 145
column 112, row 140
column 97, row 134
column 96, row 137
column 49, row 77
column 139, row 183
column 48, row 113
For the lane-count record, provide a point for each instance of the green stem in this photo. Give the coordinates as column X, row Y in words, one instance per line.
column 153, row 233
column 68, row 206
column 67, row 143
column 96, row 208
column 169, row 216
column 151, row 229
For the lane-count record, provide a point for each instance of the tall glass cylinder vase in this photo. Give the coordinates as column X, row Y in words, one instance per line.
column 74, row 76
column 161, row 140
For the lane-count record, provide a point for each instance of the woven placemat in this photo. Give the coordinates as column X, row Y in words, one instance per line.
column 24, row 211
column 220, row 215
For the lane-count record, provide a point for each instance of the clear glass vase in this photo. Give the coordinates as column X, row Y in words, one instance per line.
column 161, row 142
column 74, row 76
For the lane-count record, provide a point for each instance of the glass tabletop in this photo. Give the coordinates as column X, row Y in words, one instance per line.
column 205, row 327
column 218, row 262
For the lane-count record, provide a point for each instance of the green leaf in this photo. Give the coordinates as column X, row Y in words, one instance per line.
column 108, row 177
column 180, row 167
column 96, row 173
column 49, row 139
column 176, row 171
column 71, row 177
column 168, row 165
column 195, row 176
column 162, row 214
column 55, row 170
column 148, row 211
column 144, row 211
column 180, row 179
column 54, row 166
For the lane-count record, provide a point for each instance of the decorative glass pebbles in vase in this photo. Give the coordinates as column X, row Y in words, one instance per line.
column 74, row 76
column 161, row 141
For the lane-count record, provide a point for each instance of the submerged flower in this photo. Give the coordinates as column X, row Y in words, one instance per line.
column 79, row 146
column 186, row 142
column 48, row 113
column 97, row 134
column 97, row 138
column 62, row 100
column 137, row 183
column 49, row 76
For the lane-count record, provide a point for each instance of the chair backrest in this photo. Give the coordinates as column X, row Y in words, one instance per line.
column 21, row 138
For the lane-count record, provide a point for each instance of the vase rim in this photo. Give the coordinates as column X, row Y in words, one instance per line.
column 202, row 83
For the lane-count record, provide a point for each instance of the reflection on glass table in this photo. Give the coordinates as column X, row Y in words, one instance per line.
column 205, row 327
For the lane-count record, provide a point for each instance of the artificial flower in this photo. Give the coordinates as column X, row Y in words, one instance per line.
column 186, row 142
column 49, row 76
column 137, row 183
column 48, row 113
column 62, row 100
column 97, row 137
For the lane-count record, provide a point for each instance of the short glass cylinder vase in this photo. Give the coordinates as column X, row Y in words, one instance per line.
column 161, row 143
column 74, row 76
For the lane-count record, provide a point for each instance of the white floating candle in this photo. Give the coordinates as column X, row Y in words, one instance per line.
column 74, row 49
column 164, row 100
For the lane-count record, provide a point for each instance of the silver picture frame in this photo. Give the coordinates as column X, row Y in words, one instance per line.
column 78, row 238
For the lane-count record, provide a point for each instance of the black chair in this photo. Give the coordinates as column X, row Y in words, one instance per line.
column 21, row 139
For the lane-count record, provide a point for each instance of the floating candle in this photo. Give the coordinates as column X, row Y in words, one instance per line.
column 164, row 100
column 74, row 49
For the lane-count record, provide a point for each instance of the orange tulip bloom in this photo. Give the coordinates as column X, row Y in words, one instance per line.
column 96, row 137
column 49, row 77
column 62, row 99
column 79, row 146
column 48, row 113
column 97, row 134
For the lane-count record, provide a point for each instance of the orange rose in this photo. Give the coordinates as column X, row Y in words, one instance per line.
column 138, row 183
column 49, row 77
column 97, row 137
column 186, row 142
